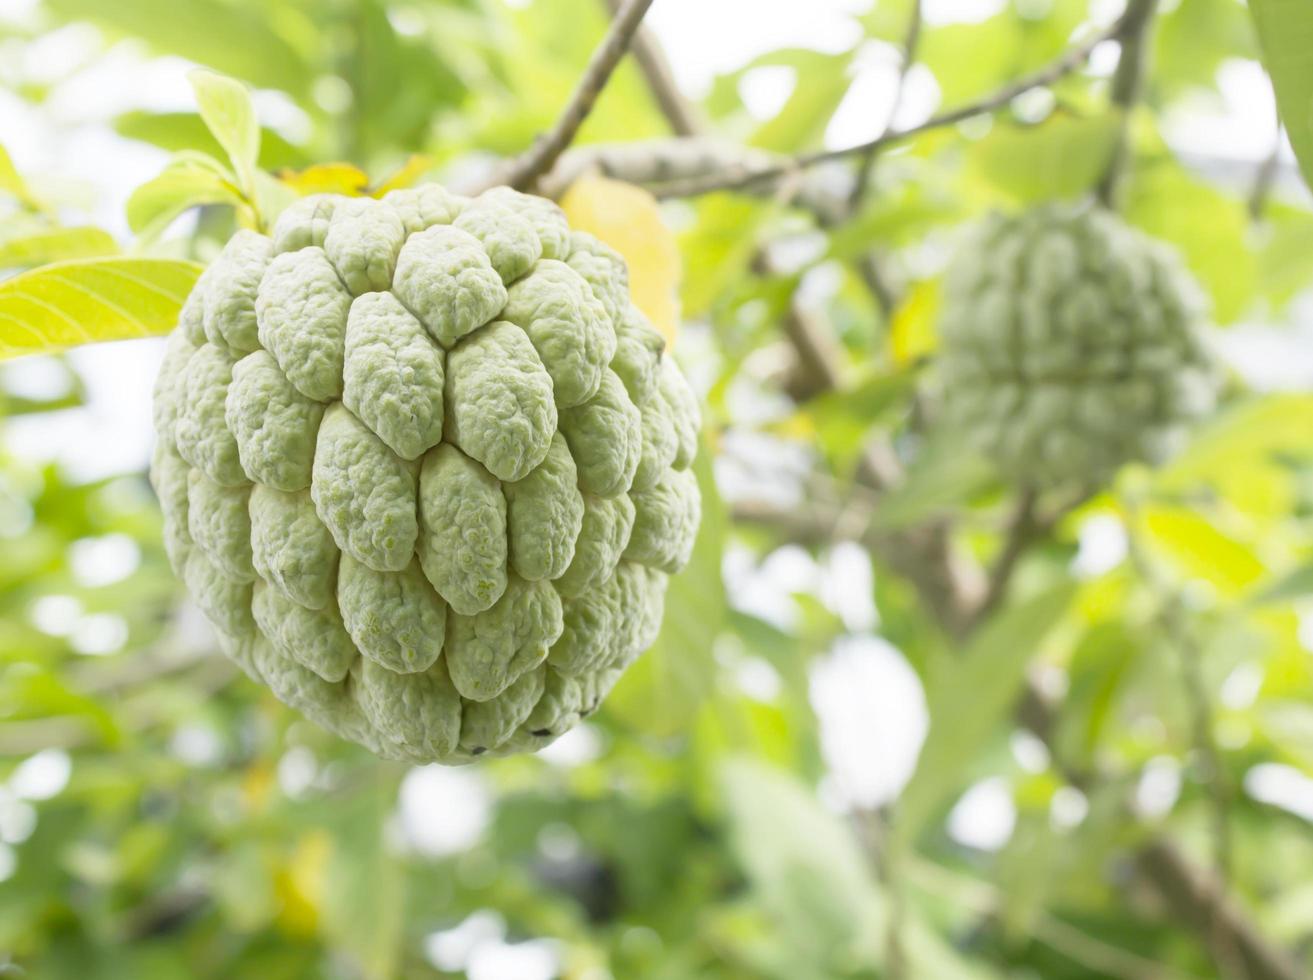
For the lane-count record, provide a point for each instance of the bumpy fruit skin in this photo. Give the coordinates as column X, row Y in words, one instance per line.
column 1070, row 344
column 425, row 467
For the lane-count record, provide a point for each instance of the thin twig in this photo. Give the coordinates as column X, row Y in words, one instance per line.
column 907, row 58
column 525, row 169
column 684, row 118
column 1127, row 89
column 732, row 179
column 1088, row 951
column 1023, row 529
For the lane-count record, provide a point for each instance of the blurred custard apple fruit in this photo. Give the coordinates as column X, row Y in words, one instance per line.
column 1071, row 343
column 426, row 468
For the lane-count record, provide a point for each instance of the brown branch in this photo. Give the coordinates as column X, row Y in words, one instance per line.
column 525, row 169
column 1127, row 89
column 1023, row 530
column 907, row 58
column 742, row 178
column 1212, row 914
column 684, row 118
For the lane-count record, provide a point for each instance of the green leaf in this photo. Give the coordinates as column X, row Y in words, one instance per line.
column 1098, row 666
column 1285, row 33
column 84, row 301
column 225, row 105
column 821, row 81
column 241, row 40
column 661, row 692
column 54, row 245
column 157, row 202
column 940, row 480
column 11, row 182
column 1063, row 156
column 804, row 864
column 187, row 131
column 968, row 697
column 1209, row 227
column 844, row 418
column 361, row 864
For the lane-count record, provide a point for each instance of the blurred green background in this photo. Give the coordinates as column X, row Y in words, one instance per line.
column 741, row 807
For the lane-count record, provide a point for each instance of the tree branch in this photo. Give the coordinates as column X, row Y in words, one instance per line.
column 742, row 178
column 1127, row 87
column 524, row 170
column 684, row 117
column 911, row 40
column 1196, row 897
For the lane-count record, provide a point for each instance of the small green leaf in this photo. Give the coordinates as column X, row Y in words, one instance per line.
column 157, row 202
column 804, row 864
column 186, row 130
column 88, row 300
column 1061, row 157
column 1285, row 33
column 225, row 105
column 968, row 696
column 55, row 245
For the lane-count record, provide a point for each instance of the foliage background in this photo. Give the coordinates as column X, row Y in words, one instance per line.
column 742, row 807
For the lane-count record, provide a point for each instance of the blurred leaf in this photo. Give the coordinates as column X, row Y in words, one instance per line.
column 969, row 695
column 820, row 82
column 1061, row 157
column 661, row 692
column 1285, row 31
column 1207, row 226
column 157, row 202
column 1201, row 549
column 55, row 244
column 912, row 333
column 240, row 40
column 408, row 174
column 187, row 131
column 628, row 218
column 805, row 865
column 84, row 301
column 1194, row 37
column 844, row 418
column 718, row 249
column 225, row 105
column 327, row 178
column 1098, row 666
column 943, row 477
column 363, row 887
column 1241, row 453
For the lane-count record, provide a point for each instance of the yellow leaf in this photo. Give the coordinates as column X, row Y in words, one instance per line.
column 327, row 178
column 407, row 175
column 300, row 883
column 1202, row 550
column 628, row 219
column 912, row 330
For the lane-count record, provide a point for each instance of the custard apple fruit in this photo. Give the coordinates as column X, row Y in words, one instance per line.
column 1071, row 343
column 425, row 467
